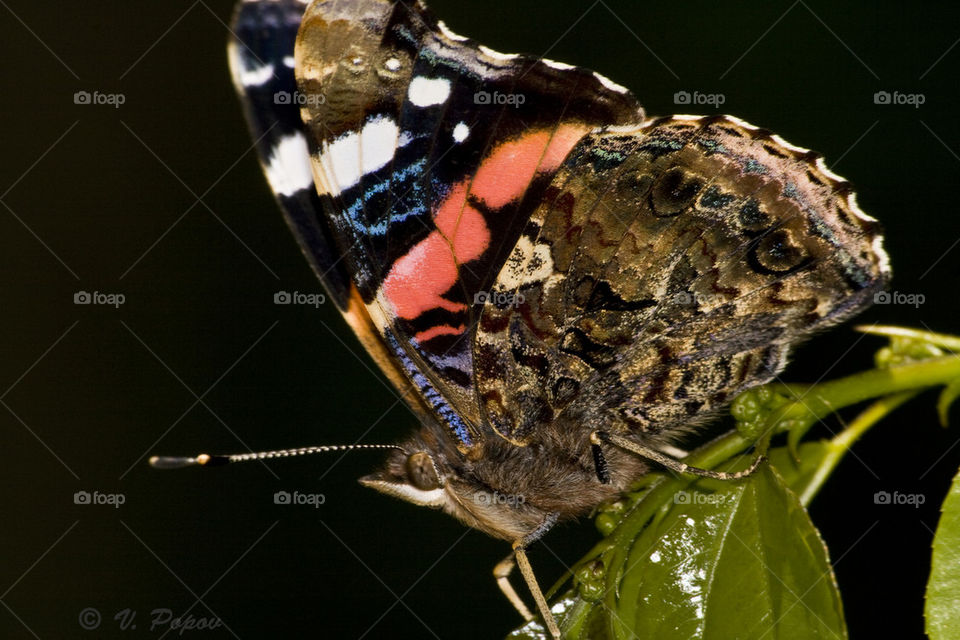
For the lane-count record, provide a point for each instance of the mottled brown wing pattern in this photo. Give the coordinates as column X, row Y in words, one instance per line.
column 671, row 265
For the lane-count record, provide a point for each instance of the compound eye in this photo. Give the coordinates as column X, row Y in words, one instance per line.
column 421, row 472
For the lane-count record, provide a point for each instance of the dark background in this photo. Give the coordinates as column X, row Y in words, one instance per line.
column 103, row 199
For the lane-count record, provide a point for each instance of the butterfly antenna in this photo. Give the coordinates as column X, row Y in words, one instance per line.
column 207, row 460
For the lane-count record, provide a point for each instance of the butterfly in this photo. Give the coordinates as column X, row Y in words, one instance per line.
column 558, row 285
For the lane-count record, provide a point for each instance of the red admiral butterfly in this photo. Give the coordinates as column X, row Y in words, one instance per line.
column 555, row 282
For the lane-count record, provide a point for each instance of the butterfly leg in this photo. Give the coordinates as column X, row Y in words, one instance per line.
column 503, row 569
column 598, row 438
column 599, row 460
column 502, row 573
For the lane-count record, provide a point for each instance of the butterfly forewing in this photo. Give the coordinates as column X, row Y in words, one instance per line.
column 430, row 153
column 261, row 53
column 261, row 61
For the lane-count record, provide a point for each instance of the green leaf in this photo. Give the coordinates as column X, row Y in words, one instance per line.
column 800, row 475
column 711, row 560
column 730, row 560
column 948, row 396
column 942, row 610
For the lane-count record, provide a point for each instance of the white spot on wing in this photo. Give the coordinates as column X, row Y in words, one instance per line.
column 559, row 66
column 882, row 256
column 378, row 143
column 741, row 123
column 496, row 55
column 256, row 77
column 610, row 84
column 857, row 211
column 288, row 169
column 791, row 147
column 427, row 92
column 826, row 171
column 340, row 160
column 461, row 132
column 351, row 156
column 238, row 66
column 289, row 61
column 393, row 64
column 445, row 30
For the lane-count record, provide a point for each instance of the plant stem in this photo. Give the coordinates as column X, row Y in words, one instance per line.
column 825, row 398
column 939, row 339
column 841, row 443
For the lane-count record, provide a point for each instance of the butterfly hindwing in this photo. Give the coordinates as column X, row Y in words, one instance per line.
column 705, row 249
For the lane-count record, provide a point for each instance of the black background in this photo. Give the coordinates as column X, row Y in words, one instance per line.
column 103, row 199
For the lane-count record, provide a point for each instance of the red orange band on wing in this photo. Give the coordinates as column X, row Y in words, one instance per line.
column 417, row 281
column 440, row 330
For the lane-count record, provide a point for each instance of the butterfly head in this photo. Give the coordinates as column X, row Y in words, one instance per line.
column 424, row 472
column 412, row 475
